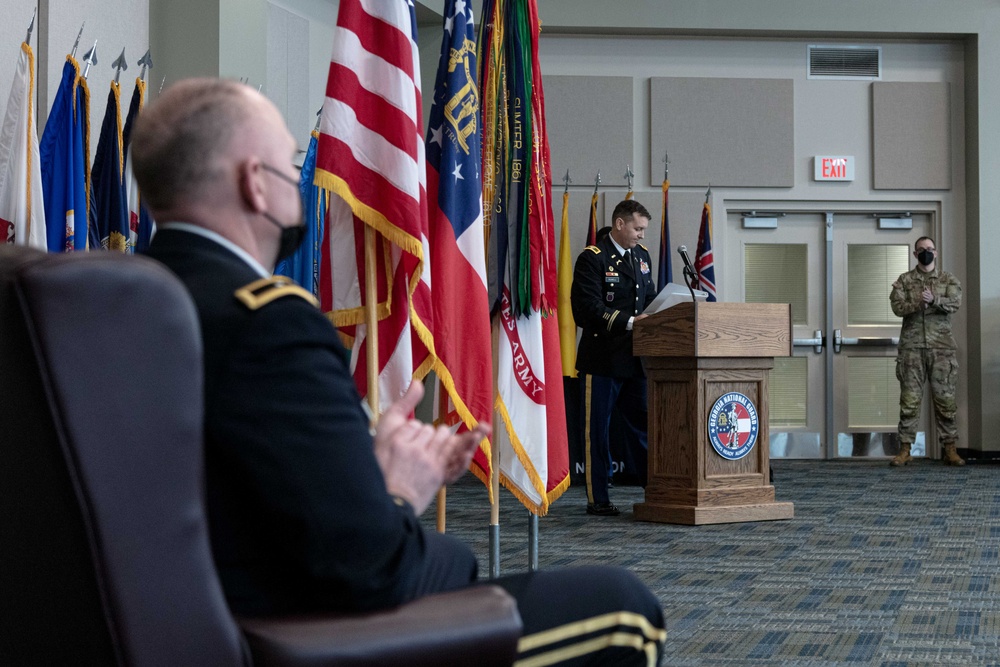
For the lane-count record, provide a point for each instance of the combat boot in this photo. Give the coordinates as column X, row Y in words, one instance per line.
column 951, row 457
column 903, row 457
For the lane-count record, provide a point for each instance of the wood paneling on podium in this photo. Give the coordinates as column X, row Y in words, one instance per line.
column 696, row 353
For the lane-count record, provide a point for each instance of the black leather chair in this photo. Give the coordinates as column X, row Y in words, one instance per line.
column 104, row 551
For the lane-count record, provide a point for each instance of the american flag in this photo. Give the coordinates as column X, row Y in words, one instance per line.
column 371, row 157
column 455, row 208
column 704, row 261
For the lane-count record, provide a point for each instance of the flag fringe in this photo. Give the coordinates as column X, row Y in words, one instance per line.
column 525, row 460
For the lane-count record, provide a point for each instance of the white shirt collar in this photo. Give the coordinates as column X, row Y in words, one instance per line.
column 221, row 240
column 621, row 250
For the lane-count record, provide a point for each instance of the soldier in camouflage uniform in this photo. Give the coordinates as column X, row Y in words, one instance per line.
column 925, row 297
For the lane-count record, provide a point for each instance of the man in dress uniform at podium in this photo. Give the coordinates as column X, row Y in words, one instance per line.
column 612, row 285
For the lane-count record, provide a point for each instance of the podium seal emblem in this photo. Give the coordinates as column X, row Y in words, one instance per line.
column 733, row 425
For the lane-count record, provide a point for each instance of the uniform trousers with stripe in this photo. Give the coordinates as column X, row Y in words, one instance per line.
column 573, row 617
column 629, row 395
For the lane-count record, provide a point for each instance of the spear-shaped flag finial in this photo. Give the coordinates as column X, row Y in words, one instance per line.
column 319, row 117
column 597, row 182
column 119, row 64
column 708, row 193
column 567, row 180
column 31, row 27
column 90, row 57
column 145, row 63
column 666, row 166
column 629, row 176
column 77, row 42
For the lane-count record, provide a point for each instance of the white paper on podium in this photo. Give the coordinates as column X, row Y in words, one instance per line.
column 671, row 295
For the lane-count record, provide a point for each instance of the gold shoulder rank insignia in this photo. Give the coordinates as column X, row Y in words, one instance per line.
column 594, row 249
column 643, row 247
column 261, row 292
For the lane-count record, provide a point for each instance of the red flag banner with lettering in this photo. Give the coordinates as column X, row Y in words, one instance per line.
column 22, row 210
column 704, row 262
column 371, row 158
column 463, row 340
column 532, row 443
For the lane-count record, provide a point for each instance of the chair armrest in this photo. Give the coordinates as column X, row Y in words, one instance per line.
column 473, row 626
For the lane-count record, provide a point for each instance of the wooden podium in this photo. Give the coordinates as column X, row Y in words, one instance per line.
column 696, row 354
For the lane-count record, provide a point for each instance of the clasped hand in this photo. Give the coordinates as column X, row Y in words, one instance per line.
column 417, row 458
column 928, row 296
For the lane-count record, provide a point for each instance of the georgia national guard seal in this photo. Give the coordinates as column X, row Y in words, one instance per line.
column 733, row 425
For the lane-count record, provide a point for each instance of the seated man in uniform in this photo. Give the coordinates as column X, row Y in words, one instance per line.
column 307, row 511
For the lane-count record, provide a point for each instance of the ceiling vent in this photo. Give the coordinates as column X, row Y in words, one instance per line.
column 845, row 62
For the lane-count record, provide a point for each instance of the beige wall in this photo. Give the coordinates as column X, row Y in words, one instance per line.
column 961, row 37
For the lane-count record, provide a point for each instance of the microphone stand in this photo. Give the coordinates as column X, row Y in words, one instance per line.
column 690, row 279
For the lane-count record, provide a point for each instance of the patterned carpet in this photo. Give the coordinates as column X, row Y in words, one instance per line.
column 880, row 566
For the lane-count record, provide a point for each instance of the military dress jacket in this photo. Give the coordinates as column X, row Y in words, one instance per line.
column 298, row 511
column 606, row 292
column 928, row 327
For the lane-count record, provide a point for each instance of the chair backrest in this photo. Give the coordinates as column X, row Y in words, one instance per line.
column 104, row 551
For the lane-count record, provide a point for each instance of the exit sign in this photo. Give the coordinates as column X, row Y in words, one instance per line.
column 834, row 167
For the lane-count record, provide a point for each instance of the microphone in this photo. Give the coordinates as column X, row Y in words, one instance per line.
column 690, row 276
column 683, row 252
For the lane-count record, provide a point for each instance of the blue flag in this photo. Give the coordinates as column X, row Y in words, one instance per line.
column 61, row 154
column 303, row 266
column 109, row 202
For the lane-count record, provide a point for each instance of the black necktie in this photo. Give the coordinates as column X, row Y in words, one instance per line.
column 628, row 257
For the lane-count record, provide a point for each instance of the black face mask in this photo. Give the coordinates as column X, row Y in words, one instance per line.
column 291, row 237
column 925, row 257
column 290, row 240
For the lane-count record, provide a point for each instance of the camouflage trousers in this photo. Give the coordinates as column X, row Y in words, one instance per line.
column 913, row 369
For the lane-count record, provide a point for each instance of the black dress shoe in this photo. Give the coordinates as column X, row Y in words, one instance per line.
column 602, row 509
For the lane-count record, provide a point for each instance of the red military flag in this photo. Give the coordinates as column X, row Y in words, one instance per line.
column 532, row 443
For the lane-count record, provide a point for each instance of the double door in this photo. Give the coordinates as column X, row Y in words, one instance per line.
column 837, row 396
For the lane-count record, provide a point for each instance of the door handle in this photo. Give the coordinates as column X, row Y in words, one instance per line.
column 864, row 341
column 817, row 341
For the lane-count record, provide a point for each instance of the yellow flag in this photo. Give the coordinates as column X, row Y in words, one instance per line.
column 567, row 326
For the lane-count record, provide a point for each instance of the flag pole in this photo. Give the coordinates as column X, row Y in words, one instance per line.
column 371, row 321
column 76, row 44
column 628, row 180
column 442, row 495
column 495, row 473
